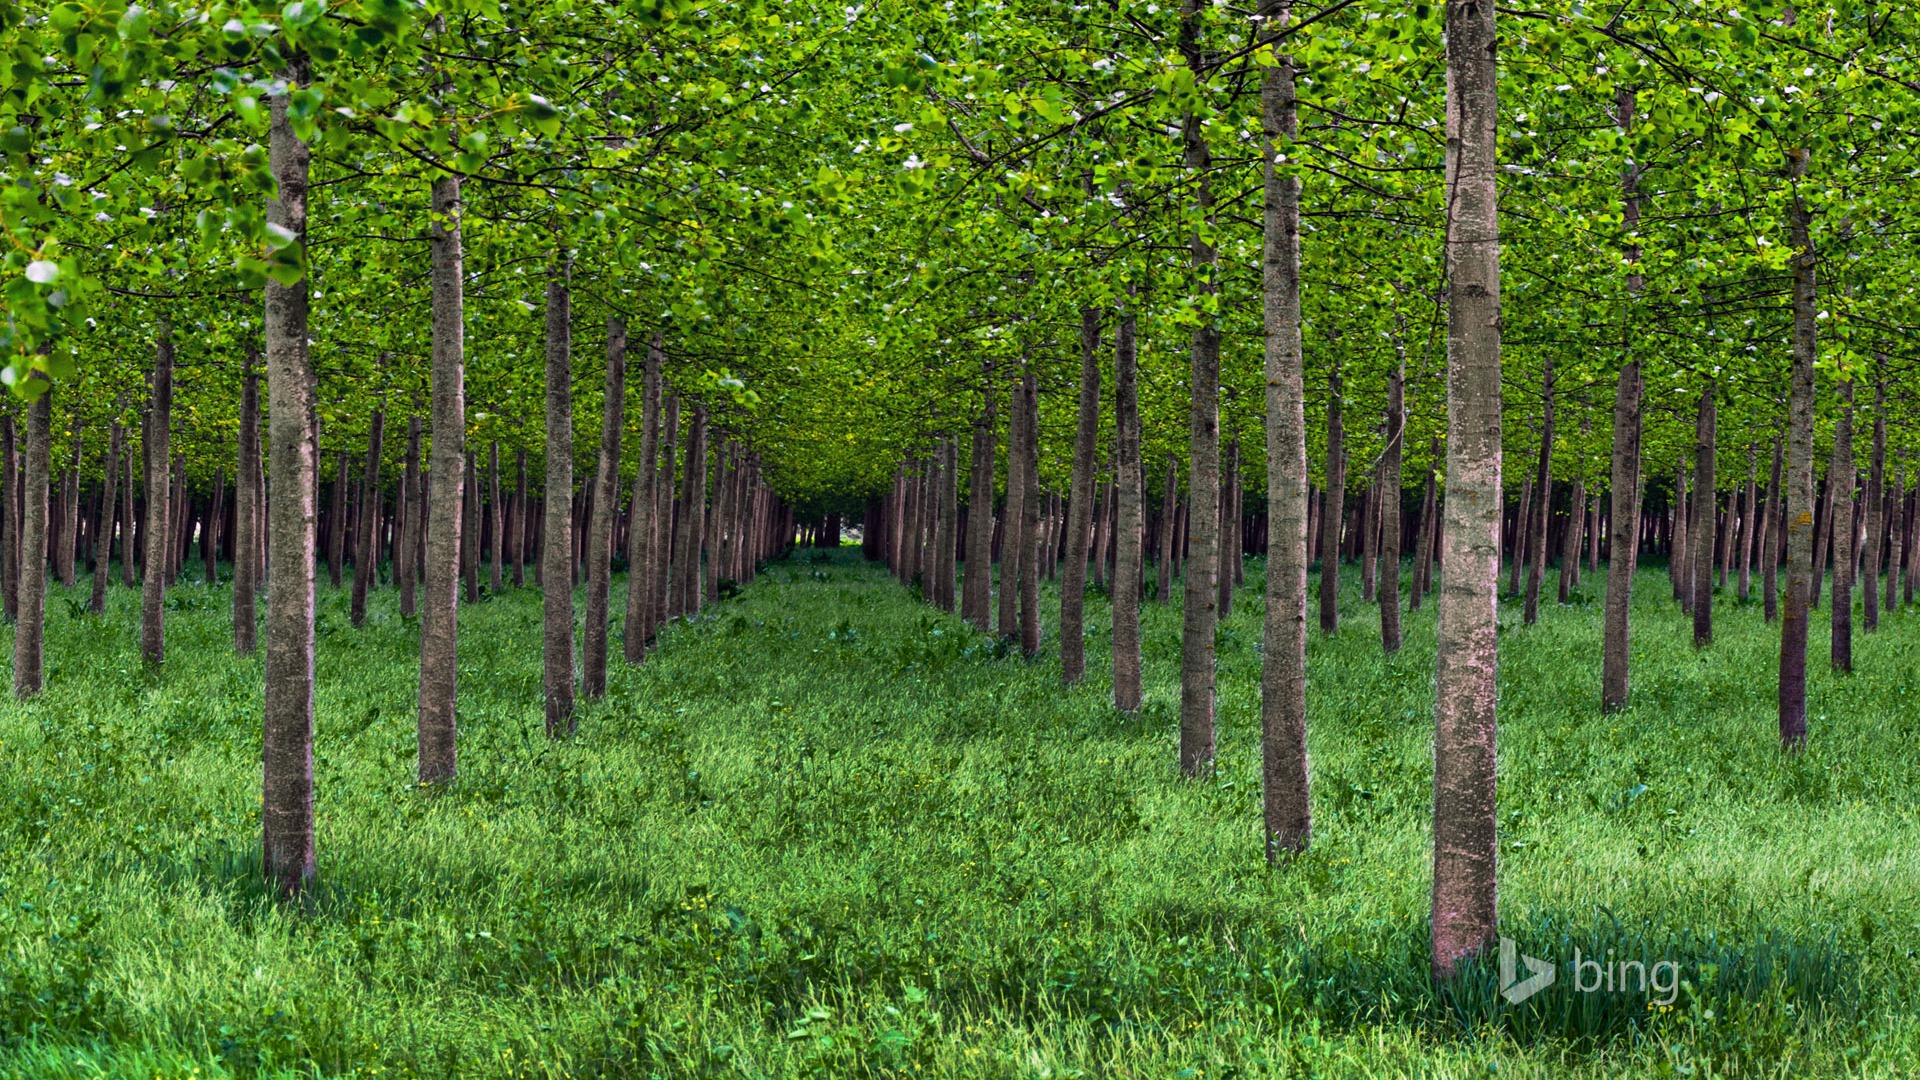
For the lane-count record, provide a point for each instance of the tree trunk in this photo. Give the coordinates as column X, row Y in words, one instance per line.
column 1333, row 507
column 556, row 541
column 695, row 509
column 517, row 545
column 635, row 629
column 976, row 599
column 1876, row 508
column 1367, row 515
column 1129, row 478
column 716, row 511
column 1287, row 818
column 337, row 520
column 70, row 512
column 406, row 570
column 153, row 585
column 470, row 510
column 29, row 628
column 720, row 521
column 1770, row 540
column 946, row 539
column 1464, row 844
column 1391, row 479
column 1169, row 511
column 1073, row 647
column 1102, row 525
column 1423, row 547
column 179, row 515
column 1543, row 500
column 1840, row 479
column 441, row 517
column 677, row 590
column 1031, row 534
column 1680, row 562
column 1229, row 530
column 1750, row 521
column 1895, row 527
column 1576, row 528
column 495, row 520
column 103, row 540
column 210, row 532
column 663, row 518
column 1701, row 542
column 1799, row 519
column 1203, row 454
column 606, row 506
column 287, row 739
column 1522, row 522
column 129, row 542
column 1013, row 517
column 366, row 553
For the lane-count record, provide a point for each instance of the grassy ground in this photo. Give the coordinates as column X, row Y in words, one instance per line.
column 827, row 831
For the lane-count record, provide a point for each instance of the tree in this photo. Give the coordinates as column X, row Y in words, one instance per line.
column 1465, row 853
column 606, row 496
column 440, row 597
column 556, row 545
column 1287, row 811
column 159, row 552
column 287, row 749
column 29, row 628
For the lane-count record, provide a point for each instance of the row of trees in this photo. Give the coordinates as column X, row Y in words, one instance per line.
column 855, row 236
column 696, row 514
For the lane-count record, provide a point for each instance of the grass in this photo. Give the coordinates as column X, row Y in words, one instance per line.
column 826, row 831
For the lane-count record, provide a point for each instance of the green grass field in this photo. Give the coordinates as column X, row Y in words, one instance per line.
column 826, row 831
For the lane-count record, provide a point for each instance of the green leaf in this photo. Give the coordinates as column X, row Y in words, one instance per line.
column 133, row 25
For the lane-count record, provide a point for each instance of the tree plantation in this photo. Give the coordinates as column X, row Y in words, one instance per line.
column 624, row 538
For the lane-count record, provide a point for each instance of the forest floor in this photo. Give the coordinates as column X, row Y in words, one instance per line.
column 828, row 831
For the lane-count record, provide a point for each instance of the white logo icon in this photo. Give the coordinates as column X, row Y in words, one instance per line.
column 1516, row 992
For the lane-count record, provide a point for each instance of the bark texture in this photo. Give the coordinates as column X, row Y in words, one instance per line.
column 1701, row 543
column 1794, row 612
column 976, row 596
column 1032, row 535
column 1840, row 481
column 29, row 628
column 158, row 556
column 1465, row 852
column 103, row 533
column 1287, row 819
column 287, row 751
column 406, row 569
column 556, row 541
column 606, row 505
column 1876, row 510
column 1013, row 517
column 1770, row 553
column 1129, row 547
column 640, row 525
column 366, row 553
column 442, row 518
column 1388, row 585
